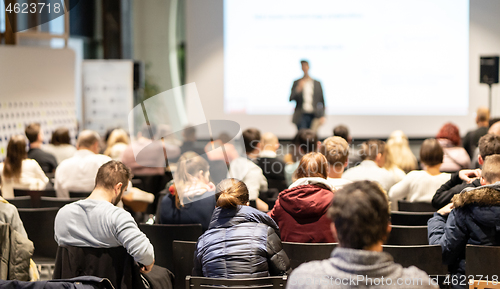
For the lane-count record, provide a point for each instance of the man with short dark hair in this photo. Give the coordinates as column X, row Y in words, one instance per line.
column 47, row 161
column 361, row 220
column 97, row 222
column 372, row 167
column 305, row 141
column 189, row 144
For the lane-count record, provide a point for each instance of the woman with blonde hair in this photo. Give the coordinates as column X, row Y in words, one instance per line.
column 241, row 242
column 399, row 160
column 191, row 199
column 19, row 172
column 117, row 143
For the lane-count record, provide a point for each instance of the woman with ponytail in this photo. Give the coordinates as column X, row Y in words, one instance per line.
column 241, row 242
column 19, row 172
column 191, row 199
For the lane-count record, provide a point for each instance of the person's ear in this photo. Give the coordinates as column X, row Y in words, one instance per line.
column 389, row 227
column 346, row 164
column 95, row 147
column 118, row 188
column 480, row 160
column 483, row 181
column 318, row 146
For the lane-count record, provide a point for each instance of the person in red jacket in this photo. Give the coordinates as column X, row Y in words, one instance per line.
column 300, row 211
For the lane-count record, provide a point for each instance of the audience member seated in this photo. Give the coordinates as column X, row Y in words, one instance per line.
column 391, row 154
column 372, row 167
column 489, row 144
column 272, row 167
column 471, row 218
column 455, row 157
column 244, row 169
column 47, row 161
column 96, row 222
column 343, row 132
column 116, row 144
column 60, row 145
column 420, row 186
column 300, row 211
column 336, row 151
column 229, row 152
column 189, row 144
column 10, row 215
column 399, row 153
column 77, row 174
column 241, row 242
column 472, row 137
column 19, row 172
column 192, row 199
column 494, row 129
column 305, row 141
column 360, row 215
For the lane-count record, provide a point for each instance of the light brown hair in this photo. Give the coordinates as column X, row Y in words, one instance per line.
column 32, row 131
column 112, row 173
column 431, row 152
column 336, row 151
column 371, row 148
column 117, row 136
column 188, row 166
column 60, row 136
column 16, row 153
column 491, row 169
column 312, row 165
column 230, row 193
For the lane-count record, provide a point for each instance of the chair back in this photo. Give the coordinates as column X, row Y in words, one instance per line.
column 410, row 218
column 299, row 253
column 39, row 225
column 482, row 260
column 79, row 195
column 183, row 261
column 425, row 257
column 408, row 235
column 218, row 171
column 162, row 237
column 54, row 202
column 35, row 195
column 406, row 206
column 254, row 283
column 20, row 202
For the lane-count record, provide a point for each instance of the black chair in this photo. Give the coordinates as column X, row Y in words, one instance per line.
column 79, row 195
column 183, row 261
column 425, row 257
column 482, row 260
column 299, row 253
column 162, row 237
column 35, row 195
column 20, row 202
column 269, row 197
column 254, row 283
column 406, row 206
column 408, row 235
column 52, row 202
column 153, row 184
column 410, row 218
column 218, row 171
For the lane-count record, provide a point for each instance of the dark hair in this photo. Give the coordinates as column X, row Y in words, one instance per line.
column 489, row 144
column 491, row 169
column 341, row 131
column 302, row 61
column 450, row 132
column 371, row 148
column 312, row 165
column 112, row 173
column 189, row 133
column 16, row 153
column 32, row 131
column 251, row 137
column 230, row 193
column 306, row 141
column 360, row 212
column 431, row 152
column 60, row 136
column 494, row 120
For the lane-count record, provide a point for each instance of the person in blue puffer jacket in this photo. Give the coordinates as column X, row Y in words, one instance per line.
column 241, row 242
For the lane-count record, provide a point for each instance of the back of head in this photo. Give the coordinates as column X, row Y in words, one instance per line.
column 491, row 169
column 341, row 131
column 118, row 136
column 269, row 141
column 489, row 144
column 112, row 173
column 336, row 151
column 312, row 165
column 399, row 153
column 189, row 166
column 87, row 138
column 60, row 136
column 16, row 153
column 482, row 114
column 450, row 132
column 371, row 148
column 360, row 212
column 306, row 141
column 189, row 133
column 251, row 137
column 230, row 193
column 495, row 128
column 431, row 152
column 32, row 131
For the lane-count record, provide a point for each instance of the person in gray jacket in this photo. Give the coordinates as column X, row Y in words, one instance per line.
column 360, row 216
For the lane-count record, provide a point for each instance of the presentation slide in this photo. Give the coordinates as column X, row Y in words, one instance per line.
column 384, row 57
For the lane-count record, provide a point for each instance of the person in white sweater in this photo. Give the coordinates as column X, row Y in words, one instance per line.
column 420, row 186
column 19, row 172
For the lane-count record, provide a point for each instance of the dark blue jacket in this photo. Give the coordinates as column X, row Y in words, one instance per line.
column 83, row 282
column 474, row 220
column 197, row 212
column 240, row 243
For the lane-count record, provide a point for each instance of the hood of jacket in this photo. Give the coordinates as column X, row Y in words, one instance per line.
column 225, row 218
column 484, row 203
column 306, row 201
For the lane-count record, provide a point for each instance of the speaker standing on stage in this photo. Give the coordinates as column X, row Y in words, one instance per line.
column 308, row 96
